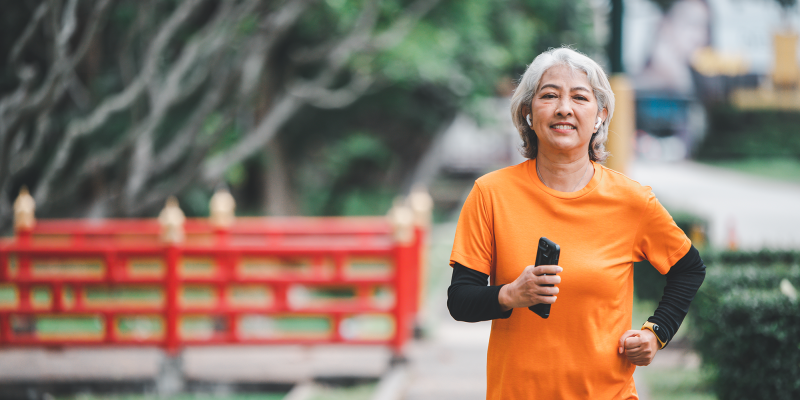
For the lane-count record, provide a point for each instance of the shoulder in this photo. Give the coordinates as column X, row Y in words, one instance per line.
column 624, row 186
column 502, row 178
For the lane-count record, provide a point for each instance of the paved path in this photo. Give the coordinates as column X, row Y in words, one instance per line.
column 755, row 212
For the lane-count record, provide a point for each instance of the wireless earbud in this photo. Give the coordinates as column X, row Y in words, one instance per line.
column 528, row 118
column 599, row 122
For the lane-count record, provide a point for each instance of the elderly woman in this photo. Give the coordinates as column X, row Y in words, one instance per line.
column 603, row 222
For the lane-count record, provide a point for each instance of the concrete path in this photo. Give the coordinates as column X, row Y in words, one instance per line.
column 751, row 211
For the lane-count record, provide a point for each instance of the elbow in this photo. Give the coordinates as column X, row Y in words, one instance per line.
column 456, row 312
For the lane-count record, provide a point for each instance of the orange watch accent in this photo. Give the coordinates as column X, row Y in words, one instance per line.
column 656, row 331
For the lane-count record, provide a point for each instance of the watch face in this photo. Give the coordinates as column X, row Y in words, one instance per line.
column 657, row 331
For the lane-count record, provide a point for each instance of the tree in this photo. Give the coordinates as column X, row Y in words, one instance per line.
column 106, row 108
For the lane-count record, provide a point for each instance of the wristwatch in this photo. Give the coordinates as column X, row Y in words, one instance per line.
column 660, row 334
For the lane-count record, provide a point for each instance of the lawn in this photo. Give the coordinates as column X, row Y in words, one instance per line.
column 784, row 169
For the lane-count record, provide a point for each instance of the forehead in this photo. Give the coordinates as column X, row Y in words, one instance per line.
column 564, row 77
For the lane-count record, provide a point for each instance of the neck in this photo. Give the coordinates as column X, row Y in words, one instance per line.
column 564, row 175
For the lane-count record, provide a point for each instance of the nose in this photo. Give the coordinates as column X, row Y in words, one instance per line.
column 564, row 107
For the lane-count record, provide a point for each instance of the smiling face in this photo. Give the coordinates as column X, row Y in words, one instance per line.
column 564, row 113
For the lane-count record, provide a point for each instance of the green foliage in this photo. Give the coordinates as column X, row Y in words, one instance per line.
column 456, row 55
column 748, row 331
column 648, row 283
column 773, row 168
column 750, row 134
column 763, row 257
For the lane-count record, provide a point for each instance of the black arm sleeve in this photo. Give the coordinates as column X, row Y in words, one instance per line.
column 469, row 299
column 683, row 280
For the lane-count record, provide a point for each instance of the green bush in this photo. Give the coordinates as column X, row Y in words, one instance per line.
column 648, row 283
column 749, row 332
column 750, row 134
column 757, row 258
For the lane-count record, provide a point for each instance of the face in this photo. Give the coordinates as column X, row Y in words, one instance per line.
column 564, row 112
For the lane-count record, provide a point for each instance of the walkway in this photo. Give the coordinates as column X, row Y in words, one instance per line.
column 752, row 211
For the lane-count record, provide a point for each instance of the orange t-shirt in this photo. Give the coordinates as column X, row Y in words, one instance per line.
column 602, row 230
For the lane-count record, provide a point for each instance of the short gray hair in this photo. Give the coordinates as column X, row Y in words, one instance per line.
column 523, row 96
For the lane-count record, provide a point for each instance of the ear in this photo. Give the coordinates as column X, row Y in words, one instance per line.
column 603, row 114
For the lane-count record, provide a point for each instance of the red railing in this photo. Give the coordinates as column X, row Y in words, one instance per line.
column 258, row 280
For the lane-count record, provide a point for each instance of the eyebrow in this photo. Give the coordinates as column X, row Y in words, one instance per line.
column 554, row 86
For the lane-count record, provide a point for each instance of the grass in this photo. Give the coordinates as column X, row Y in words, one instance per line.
column 188, row 396
column 357, row 392
column 678, row 384
column 671, row 383
column 784, row 169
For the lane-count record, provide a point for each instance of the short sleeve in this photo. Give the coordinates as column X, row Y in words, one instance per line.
column 473, row 246
column 659, row 240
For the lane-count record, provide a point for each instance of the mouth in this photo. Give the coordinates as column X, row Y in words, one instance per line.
column 563, row 126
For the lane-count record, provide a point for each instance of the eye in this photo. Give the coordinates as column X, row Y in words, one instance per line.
column 548, row 96
column 581, row 98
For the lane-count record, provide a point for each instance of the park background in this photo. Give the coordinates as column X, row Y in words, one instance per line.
column 339, row 107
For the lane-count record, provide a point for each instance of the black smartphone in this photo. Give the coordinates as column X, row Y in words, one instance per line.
column 546, row 254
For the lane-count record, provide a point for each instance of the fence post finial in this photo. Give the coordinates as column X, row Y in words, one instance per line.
column 402, row 219
column 421, row 203
column 171, row 219
column 222, row 207
column 24, row 210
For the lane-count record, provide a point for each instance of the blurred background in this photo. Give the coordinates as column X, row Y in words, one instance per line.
column 338, row 107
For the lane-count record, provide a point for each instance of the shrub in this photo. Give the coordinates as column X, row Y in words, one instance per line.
column 749, row 331
column 761, row 257
column 735, row 134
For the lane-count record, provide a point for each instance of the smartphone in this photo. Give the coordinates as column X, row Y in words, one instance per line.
column 546, row 254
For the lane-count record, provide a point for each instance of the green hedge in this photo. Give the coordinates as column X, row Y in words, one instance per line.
column 749, row 331
column 762, row 257
column 736, row 134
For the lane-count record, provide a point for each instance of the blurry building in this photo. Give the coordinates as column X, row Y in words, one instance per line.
column 688, row 55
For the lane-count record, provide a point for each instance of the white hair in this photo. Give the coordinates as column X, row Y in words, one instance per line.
column 529, row 84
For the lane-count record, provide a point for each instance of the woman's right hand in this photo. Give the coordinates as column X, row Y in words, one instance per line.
column 528, row 289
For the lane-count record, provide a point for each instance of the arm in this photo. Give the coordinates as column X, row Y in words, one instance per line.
column 683, row 280
column 469, row 299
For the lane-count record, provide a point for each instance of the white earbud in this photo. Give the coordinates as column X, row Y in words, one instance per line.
column 599, row 122
column 528, row 118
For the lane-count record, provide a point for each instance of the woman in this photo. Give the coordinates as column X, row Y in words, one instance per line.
column 603, row 221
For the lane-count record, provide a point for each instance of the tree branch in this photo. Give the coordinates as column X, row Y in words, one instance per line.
column 288, row 105
column 322, row 97
column 403, row 25
column 27, row 34
column 115, row 103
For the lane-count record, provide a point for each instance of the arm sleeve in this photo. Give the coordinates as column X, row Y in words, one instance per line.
column 683, row 280
column 469, row 299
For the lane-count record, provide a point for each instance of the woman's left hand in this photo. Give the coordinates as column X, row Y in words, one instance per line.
column 639, row 346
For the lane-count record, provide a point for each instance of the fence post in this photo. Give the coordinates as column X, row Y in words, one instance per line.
column 402, row 220
column 172, row 219
column 421, row 203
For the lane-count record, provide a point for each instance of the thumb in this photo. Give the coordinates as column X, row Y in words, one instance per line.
column 624, row 337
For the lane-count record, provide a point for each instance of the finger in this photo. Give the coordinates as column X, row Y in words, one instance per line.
column 633, row 342
column 546, row 299
column 547, row 280
column 537, row 290
column 622, row 339
column 547, row 269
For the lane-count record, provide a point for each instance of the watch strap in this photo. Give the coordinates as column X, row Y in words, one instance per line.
column 660, row 334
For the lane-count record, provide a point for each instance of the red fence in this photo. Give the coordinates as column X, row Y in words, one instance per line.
column 257, row 280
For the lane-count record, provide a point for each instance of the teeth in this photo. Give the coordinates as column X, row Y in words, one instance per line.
column 563, row 127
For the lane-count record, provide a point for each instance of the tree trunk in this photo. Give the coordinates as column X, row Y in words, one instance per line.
column 277, row 189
